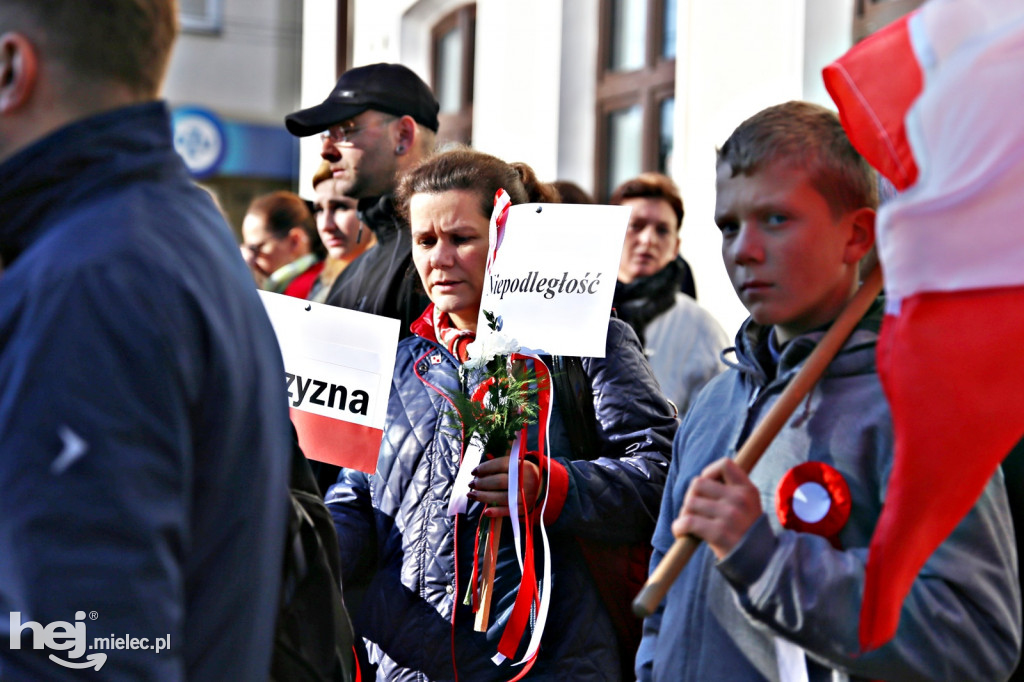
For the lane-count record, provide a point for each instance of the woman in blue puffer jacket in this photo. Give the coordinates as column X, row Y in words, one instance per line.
column 406, row 562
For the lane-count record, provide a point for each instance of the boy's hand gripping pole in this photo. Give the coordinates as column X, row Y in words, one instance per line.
column 675, row 560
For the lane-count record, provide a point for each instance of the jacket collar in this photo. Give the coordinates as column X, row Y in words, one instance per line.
column 857, row 355
column 668, row 279
column 380, row 215
column 75, row 163
column 423, row 326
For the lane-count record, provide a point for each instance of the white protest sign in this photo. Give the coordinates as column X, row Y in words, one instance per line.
column 338, row 365
column 553, row 277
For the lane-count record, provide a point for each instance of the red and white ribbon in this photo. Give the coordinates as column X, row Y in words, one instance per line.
column 499, row 216
column 532, row 594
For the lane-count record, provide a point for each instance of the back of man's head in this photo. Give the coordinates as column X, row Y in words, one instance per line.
column 283, row 210
column 96, row 43
column 811, row 137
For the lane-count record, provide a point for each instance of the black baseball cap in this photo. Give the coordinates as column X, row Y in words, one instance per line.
column 391, row 88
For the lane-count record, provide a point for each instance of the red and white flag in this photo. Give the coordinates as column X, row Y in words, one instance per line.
column 933, row 102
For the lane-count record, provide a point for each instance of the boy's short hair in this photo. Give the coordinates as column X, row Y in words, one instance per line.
column 809, row 136
column 124, row 41
column 651, row 186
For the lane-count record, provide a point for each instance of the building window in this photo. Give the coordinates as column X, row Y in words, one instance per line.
column 871, row 15
column 201, row 16
column 635, row 90
column 628, row 35
column 453, row 39
column 625, row 132
column 343, row 39
column 666, row 132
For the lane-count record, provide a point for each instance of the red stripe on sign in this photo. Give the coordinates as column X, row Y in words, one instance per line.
column 337, row 442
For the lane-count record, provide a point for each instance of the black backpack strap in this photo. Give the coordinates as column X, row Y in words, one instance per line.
column 313, row 638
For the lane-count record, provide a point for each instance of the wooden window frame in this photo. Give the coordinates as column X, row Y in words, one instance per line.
column 342, row 42
column 456, row 126
column 647, row 86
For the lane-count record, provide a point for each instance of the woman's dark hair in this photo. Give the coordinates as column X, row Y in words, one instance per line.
column 284, row 210
column 469, row 170
column 572, row 193
column 538, row 192
column 651, row 186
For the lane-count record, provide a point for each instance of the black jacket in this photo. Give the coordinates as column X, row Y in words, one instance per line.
column 382, row 281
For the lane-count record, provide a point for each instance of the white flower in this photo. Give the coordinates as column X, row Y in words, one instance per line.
column 488, row 345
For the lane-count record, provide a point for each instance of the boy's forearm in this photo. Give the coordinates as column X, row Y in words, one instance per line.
column 960, row 621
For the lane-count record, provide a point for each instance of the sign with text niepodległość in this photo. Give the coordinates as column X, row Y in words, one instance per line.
column 553, row 276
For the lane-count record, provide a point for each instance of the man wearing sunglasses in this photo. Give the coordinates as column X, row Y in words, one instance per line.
column 379, row 121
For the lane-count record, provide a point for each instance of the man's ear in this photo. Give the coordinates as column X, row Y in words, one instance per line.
column 861, row 234
column 405, row 135
column 298, row 238
column 18, row 68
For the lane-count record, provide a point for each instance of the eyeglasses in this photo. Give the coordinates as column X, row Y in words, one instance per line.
column 341, row 135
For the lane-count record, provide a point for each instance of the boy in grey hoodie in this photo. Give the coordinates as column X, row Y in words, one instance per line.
column 774, row 592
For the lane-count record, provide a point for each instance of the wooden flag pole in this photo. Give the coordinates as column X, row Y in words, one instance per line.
column 675, row 560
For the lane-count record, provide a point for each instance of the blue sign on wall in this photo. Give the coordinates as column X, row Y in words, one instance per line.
column 212, row 146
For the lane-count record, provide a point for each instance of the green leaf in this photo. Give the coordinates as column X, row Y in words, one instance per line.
column 511, row 405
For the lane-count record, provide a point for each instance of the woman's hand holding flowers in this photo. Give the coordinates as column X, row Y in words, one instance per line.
column 490, row 485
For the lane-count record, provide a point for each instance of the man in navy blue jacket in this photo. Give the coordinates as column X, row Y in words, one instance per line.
column 144, row 437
